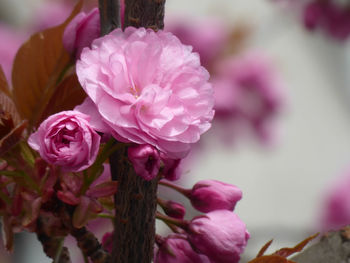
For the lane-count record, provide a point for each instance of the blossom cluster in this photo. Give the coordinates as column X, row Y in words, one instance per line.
column 148, row 93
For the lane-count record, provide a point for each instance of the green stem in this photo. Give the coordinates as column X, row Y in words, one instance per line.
column 59, row 251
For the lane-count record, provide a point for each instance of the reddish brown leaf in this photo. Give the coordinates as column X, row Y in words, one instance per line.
column 285, row 252
column 67, row 95
column 280, row 256
column 12, row 138
column 7, row 106
column 271, row 259
column 37, row 69
column 264, row 248
column 3, row 83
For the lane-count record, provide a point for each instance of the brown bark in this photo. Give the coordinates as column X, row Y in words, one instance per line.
column 136, row 199
column 135, row 202
column 144, row 13
column 109, row 15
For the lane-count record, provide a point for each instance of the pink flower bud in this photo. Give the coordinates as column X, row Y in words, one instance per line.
column 81, row 31
column 221, row 235
column 66, row 139
column 176, row 249
column 210, row 195
column 145, row 160
column 173, row 209
column 107, row 242
column 171, row 170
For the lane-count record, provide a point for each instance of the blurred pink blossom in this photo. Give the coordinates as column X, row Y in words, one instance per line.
column 81, row 31
column 11, row 40
column 149, row 88
column 207, row 37
column 336, row 204
column 248, row 88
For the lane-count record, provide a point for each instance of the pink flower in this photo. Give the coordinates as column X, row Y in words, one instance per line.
column 176, row 249
column 145, row 160
column 149, row 88
column 210, row 195
column 66, row 139
column 249, row 88
column 107, row 242
column 336, row 206
column 220, row 235
column 10, row 42
column 81, row 31
column 207, row 37
column 171, row 170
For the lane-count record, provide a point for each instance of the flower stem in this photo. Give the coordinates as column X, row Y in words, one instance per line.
column 169, row 220
column 185, row 192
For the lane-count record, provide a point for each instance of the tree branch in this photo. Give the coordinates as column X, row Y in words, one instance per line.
column 144, row 13
column 109, row 15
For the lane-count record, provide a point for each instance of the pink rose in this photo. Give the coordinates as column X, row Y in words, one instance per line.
column 210, row 195
column 145, row 160
column 81, row 31
column 220, row 235
column 149, row 88
column 66, row 139
column 176, row 249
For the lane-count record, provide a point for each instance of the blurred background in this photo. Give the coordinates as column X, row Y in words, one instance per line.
column 281, row 134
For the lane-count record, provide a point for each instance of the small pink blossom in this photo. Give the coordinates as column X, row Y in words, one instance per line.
column 210, row 195
column 145, row 160
column 176, row 249
column 107, row 242
column 171, row 169
column 173, row 209
column 220, row 235
column 81, row 31
column 66, row 139
column 148, row 88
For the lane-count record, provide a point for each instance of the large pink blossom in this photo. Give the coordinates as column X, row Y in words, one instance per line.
column 148, row 88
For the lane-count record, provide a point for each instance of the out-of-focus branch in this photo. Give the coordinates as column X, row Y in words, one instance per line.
column 110, row 15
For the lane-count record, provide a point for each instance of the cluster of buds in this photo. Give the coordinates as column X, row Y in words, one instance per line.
column 219, row 235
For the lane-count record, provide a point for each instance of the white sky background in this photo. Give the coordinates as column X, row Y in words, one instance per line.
column 283, row 185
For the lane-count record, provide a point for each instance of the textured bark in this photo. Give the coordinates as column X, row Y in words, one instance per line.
column 110, row 18
column 334, row 247
column 136, row 199
column 51, row 244
column 144, row 13
column 135, row 202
